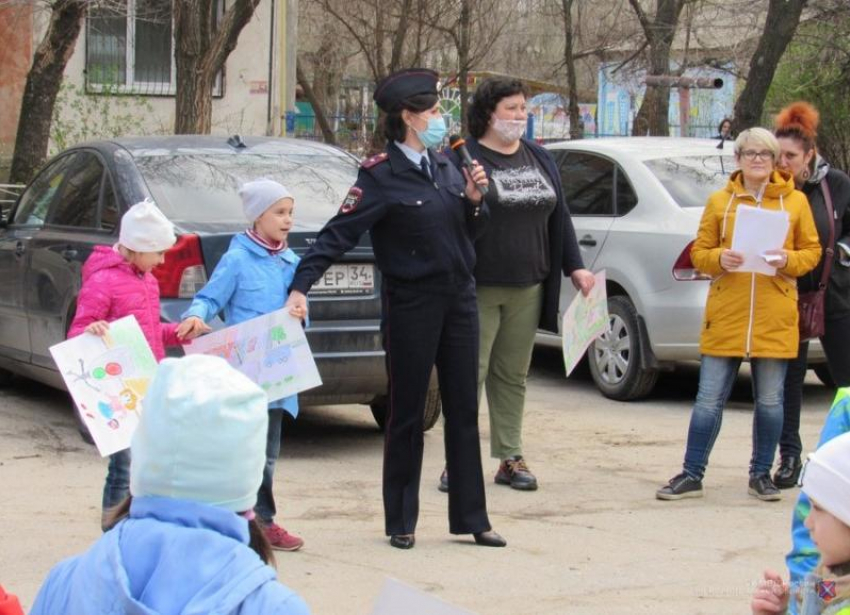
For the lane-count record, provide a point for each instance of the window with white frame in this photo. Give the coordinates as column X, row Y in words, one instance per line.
column 130, row 47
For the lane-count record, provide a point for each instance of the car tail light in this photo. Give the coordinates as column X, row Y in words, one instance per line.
column 683, row 268
column 183, row 272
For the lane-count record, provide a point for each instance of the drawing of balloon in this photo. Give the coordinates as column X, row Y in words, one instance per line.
column 99, row 373
column 113, row 369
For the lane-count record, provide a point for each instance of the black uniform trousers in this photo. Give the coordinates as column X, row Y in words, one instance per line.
column 422, row 329
column 835, row 343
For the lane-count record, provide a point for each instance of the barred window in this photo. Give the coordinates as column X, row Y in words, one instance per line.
column 130, row 47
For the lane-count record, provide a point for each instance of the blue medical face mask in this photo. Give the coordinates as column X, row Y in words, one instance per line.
column 434, row 133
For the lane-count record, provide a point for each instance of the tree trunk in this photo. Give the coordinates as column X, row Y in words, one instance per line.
column 783, row 17
column 652, row 117
column 194, row 94
column 465, row 31
column 576, row 131
column 200, row 54
column 43, row 82
column 324, row 126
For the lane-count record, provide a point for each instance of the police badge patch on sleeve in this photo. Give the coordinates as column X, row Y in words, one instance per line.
column 351, row 200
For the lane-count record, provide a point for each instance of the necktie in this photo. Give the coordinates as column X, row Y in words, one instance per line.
column 426, row 168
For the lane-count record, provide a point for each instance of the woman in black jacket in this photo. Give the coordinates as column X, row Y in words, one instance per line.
column 528, row 242
column 796, row 130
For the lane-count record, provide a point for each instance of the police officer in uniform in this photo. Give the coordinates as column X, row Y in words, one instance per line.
column 423, row 215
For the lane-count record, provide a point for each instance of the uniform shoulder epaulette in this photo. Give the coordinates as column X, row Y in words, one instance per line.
column 371, row 162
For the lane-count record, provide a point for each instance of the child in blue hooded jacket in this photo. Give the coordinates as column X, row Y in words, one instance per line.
column 826, row 590
column 251, row 279
column 804, row 555
column 186, row 540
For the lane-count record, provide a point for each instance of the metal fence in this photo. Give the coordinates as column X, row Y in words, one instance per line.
column 352, row 133
column 9, row 193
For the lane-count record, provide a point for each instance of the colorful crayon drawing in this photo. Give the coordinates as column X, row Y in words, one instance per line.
column 584, row 321
column 108, row 378
column 271, row 350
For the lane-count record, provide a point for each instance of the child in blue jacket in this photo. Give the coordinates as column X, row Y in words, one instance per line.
column 251, row 279
column 803, row 557
column 826, row 590
column 186, row 540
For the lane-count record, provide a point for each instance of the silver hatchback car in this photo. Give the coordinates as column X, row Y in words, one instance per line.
column 636, row 204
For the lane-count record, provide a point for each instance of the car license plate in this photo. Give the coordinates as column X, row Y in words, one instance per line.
column 346, row 279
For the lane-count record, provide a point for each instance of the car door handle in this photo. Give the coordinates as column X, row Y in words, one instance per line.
column 19, row 249
column 69, row 253
column 587, row 240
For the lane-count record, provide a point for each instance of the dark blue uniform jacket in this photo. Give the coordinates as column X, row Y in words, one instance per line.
column 422, row 230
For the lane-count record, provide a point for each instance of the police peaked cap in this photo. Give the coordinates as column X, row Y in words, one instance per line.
column 395, row 88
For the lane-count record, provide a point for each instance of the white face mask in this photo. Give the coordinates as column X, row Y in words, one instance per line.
column 509, row 131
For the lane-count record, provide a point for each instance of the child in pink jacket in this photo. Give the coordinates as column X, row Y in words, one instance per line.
column 117, row 282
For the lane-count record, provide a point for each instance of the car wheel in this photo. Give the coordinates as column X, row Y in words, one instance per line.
column 6, row 377
column 821, row 370
column 615, row 357
column 433, row 407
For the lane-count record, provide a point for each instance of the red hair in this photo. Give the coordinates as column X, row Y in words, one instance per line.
column 800, row 121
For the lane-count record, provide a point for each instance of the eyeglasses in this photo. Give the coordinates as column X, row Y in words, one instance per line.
column 751, row 155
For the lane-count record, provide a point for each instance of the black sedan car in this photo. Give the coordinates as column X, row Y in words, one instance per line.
column 77, row 200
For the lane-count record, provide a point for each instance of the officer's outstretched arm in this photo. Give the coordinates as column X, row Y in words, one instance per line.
column 361, row 209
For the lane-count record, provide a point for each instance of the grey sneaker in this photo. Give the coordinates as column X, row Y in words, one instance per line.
column 764, row 489
column 680, row 486
column 514, row 472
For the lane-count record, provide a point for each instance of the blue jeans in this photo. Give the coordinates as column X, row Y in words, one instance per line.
column 117, row 486
column 716, row 377
column 265, row 507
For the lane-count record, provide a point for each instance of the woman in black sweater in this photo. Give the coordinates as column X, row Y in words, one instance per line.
column 796, row 130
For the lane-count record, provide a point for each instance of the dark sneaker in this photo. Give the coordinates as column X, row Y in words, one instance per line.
column 444, row 481
column 515, row 472
column 788, row 473
column 764, row 489
column 281, row 540
column 680, row 486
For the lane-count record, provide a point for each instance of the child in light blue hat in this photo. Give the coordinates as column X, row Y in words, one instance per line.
column 186, row 541
column 251, row 279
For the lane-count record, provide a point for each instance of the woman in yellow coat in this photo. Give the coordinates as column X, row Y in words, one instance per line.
column 748, row 315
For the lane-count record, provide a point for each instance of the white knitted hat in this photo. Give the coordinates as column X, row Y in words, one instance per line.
column 826, row 477
column 144, row 228
column 259, row 195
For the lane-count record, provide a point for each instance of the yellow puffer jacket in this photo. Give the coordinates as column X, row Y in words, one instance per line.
column 750, row 314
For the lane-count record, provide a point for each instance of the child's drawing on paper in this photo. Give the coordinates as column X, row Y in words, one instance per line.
column 108, row 377
column 584, row 321
column 271, row 350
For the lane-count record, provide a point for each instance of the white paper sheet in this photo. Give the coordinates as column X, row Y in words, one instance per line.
column 584, row 321
column 108, row 378
column 397, row 598
column 271, row 350
column 757, row 231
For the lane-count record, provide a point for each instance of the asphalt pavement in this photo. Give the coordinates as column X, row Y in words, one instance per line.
column 592, row 540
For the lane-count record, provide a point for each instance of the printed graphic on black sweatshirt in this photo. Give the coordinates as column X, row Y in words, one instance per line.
column 524, row 188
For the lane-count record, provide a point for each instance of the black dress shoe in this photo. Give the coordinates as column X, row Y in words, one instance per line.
column 489, row 539
column 403, row 541
column 788, row 473
column 444, row 482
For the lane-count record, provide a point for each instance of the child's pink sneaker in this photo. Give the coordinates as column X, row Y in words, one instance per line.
column 282, row 540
